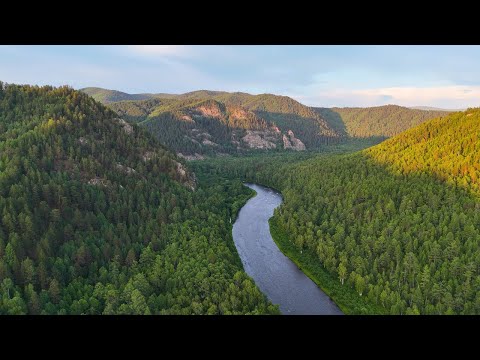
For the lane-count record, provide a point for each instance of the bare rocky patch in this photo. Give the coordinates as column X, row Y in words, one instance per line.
column 126, row 169
column 82, row 141
column 125, row 125
column 187, row 118
column 188, row 179
column 195, row 156
column 238, row 113
column 209, row 111
column 97, row 181
column 209, row 143
column 148, row 155
column 256, row 139
column 291, row 142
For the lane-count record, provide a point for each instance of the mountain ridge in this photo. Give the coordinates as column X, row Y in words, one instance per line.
column 165, row 116
column 266, row 118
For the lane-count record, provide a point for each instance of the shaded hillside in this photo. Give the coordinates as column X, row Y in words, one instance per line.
column 96, row 217
column 397, row 223
column 208, row 126
column 245, row 122
column 287, row 114
column 380, row 121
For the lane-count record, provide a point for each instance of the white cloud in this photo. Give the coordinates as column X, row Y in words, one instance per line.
column 159, row 50
column 452, row 96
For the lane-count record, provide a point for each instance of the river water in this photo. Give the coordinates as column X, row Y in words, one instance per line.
column 274, row 273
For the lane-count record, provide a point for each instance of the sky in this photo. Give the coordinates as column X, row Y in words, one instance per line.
column 438, row 76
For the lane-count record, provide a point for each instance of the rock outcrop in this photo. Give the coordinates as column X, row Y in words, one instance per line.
column 126, row 126
column 126, row 169
column 256, row 139
column 209, row 143
column 97, row 181
column 148, row 155
column 188, row 179
column 291, row 142
column 195, row 156
column 209, row 111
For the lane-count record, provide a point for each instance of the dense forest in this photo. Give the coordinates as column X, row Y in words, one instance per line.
column 213, row 122
column 398, row 222
column 228, row 123
column 96, row 217
column 379, row 121
column 108, row 96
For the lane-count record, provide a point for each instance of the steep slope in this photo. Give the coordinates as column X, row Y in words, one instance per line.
column 244, row 122
column 395, row 225
column 447, row 147
column 287, row 114
column 96, row 217
column 380, row 121
column 209, row 126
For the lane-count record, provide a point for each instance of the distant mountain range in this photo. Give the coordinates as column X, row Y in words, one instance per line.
column 435, row 108
column 108, row 96
column 207, row 122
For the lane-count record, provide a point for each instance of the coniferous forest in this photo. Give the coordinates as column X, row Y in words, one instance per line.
column 101, row 213
column 96, row 217
column 397, row 222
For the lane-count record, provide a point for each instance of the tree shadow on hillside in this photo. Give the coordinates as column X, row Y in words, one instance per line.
column 334, row 119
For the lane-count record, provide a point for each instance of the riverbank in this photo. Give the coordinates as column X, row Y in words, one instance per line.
column 274, row 273
column 344, row 296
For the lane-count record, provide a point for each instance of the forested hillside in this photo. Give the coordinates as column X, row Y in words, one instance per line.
column 447, row 148
column 380, row 121
column 397, row 223
column 107, row 96
column 214, row 122
column 268, row 121
column 96, row 217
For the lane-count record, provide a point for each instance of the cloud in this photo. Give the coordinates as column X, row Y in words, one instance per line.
column 159, row 50
column 454, row 96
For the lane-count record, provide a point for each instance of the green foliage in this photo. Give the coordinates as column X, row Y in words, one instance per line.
column 184, row 122
column 398, row 222
column 173, row 119
column 107, row 96
column 447, row 148
column 96, row 217
column 345, row 297
column 379, row 121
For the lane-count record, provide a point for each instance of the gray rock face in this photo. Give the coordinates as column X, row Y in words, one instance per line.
column 126, row 126
column 291, row 142
column 195, row 156
column 256, row 139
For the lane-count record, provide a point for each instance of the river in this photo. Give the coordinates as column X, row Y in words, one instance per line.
column 274, row 273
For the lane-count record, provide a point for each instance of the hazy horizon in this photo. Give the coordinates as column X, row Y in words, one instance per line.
column 444, row 77
column 171, row 93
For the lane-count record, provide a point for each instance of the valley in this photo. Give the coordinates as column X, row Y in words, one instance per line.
column 276, row 275
column 210, row 123
column 395, row 224
column 117, row 203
